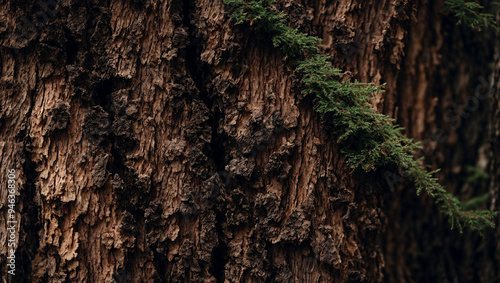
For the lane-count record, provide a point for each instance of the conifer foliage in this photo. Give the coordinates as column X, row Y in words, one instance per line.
column 369, row 139
column 469, row 13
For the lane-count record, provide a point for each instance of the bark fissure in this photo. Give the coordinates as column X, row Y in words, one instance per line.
column 202, row 77
column 219, row 253
column 30, row 214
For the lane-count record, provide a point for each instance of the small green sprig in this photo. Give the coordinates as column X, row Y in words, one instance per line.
column 368, row 139
column 468, row 13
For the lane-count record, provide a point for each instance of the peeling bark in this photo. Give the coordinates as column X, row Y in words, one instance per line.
column 157, row 142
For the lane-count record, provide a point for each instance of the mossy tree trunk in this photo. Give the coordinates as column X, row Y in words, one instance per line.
column 155, row 141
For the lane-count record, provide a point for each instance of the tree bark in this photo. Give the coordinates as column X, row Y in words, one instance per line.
column 155, row 141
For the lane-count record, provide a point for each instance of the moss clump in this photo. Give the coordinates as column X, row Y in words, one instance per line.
column 369, row 139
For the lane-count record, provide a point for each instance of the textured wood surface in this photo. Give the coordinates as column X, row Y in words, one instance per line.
column 157, row 142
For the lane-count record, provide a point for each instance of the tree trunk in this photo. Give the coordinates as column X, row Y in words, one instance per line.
column 155, row 141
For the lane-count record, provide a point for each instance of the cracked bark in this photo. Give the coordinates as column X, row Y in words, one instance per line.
column 157, row 142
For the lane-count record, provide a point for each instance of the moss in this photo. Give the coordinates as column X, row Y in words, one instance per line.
column 369, row 139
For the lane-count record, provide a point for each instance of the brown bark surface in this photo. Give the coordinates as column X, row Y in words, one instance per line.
column 156, row 142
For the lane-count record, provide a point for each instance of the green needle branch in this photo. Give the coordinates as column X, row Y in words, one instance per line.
column 369, row 139
column 467, row 13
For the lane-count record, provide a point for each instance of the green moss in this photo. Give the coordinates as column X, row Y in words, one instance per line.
column 369, row 139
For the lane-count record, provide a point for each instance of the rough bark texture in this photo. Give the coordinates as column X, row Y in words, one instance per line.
column 492, row 251
column 157, row 142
